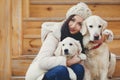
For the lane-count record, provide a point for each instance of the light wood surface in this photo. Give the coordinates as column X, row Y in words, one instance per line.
column 16, row 27
column 5, row 39
column 110, row 11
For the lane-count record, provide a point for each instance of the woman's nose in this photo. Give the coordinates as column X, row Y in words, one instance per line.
column 73, row 25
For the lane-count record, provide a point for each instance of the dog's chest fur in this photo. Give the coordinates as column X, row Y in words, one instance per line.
column 96, row 58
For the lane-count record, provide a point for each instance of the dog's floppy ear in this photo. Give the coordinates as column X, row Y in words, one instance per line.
column 104, row 23
column 84, row 28
column 58, row 51
column 79, row 46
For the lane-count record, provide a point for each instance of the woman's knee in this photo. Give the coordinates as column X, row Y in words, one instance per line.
column 79, row 70
column 58, row 71
column 78, row 67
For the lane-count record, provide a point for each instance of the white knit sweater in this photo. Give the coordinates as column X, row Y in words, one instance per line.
column 45, row 59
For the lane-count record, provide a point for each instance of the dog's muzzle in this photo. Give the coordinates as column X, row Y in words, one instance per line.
column 96, row 37
column 66, row 51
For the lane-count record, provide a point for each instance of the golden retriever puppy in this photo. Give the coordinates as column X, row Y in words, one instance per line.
column 70, row 47
column 100, row 62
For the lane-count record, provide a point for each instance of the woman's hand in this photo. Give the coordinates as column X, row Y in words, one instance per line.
column 75, row 59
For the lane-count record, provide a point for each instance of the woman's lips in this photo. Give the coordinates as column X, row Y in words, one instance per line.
column 72, row 30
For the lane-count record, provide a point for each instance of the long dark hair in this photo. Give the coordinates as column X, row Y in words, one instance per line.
column 66, row 33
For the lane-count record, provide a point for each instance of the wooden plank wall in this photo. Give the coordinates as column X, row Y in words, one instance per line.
column 5, row 39
column 32, row 13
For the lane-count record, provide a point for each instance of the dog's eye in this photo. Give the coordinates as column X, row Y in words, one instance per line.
column 99, row 26
column 63, row 44
column 71, row 44
column 90, row 26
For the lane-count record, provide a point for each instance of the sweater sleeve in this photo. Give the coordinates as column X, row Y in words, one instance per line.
column 45, row 57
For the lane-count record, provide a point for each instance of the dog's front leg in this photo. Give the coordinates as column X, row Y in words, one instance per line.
column 112, row 65
column 87, row 74
column 103, row 75
column 72, row 74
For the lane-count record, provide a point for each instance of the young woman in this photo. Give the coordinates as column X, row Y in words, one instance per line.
column 46, row 66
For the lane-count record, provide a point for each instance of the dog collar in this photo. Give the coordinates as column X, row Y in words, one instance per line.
column 95, row 47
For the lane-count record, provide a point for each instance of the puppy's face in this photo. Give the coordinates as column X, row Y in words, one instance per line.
column 69, row 47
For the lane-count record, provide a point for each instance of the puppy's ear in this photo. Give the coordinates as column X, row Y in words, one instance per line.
column 58, row 51
column 79, row 46
column 84, row 28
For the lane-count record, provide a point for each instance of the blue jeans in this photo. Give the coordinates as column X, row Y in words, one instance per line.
column 61, row 73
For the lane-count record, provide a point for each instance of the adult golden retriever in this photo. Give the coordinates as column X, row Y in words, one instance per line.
column 100, row 63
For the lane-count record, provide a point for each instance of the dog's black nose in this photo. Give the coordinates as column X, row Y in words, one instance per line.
column 96, row 37
column 66, row 51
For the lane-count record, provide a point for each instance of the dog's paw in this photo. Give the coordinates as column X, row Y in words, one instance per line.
column 83, row 56
column 109, row 35
column 72, row 74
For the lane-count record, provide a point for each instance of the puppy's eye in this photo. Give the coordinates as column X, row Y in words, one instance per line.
column 90, row 26
column 70, row 44
column 63, row 44
column 99, row 26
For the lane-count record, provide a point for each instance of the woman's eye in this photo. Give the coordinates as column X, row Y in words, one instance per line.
column 80, row 23
column 71, row 44
column 73, row 20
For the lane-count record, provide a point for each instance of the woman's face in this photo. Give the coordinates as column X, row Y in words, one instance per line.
column 75, row 24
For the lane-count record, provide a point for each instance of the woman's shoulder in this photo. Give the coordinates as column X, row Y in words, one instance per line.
column 48, row 27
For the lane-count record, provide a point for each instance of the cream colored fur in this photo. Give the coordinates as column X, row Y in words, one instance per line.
column 97, row 65
column 70, row 47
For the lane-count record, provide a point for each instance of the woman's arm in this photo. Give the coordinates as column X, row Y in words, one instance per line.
column 74, row 60
column 45, row 57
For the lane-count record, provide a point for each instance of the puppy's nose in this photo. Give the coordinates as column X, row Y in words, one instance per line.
column 66, row 51
column 96, row 37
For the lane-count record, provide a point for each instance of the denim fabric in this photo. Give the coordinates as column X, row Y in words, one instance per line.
column 78, row 70
column 57, row 73
column 61, row 73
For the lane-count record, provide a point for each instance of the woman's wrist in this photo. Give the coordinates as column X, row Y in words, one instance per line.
column 74, row 60
column 68, row 62
column 79, row 57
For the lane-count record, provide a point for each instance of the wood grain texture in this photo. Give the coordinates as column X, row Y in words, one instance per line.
column 74, row 2
column 31, row 46
column 25, row 8
column 16, row 27
column 5, row 39
column 110, row 11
